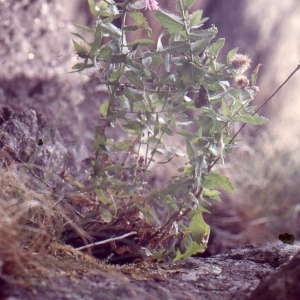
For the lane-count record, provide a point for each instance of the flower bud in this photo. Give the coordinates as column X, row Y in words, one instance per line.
column 240, row 63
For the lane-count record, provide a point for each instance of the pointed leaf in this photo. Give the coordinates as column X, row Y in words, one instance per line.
column 169, row 20
column 197, row 226
column 104, row 109
column 79, row 49
column 142, row 42
column 141, row 21
column 80, row 36
column 193, row 248
column 231, row 54
column 214, row 179
column 134, row 79
column 88, row 29
column 93, row 9
column 195, row 18
column 251, row 119
column 187, row 3
column 97, row 41
column 200, row 45
column 215, row 48
column 190, row 150
column 112, row 30
column 225, row 110
column 182, row 46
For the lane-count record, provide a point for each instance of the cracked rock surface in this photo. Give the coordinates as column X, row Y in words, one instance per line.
column 234, row 275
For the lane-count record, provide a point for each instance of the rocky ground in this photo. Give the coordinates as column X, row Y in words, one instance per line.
column 249, row 273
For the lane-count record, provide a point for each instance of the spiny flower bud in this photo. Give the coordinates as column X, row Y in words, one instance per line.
column 241, row 81
column 240, row 63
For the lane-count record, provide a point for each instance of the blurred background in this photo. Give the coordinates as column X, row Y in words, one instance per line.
column 36, row 56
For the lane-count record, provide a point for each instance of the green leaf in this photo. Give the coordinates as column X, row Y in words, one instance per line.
column 133, row 96
column 164, row 128
column 190, row 150
column 215, row 48
column 213, row 179
column 88, row 29
column 195, row 18
column 186, row 133
column 131, row 28
column 80, row 36
column 197, row 226
column 190, row 74
column 99, row 142
column 112, row 30
column 200, row 45
column 225, row 110
column 182, row 46
column 104, row 109
column 187, row 3
column 141, row 21
column 251, row 119
column 138, row 69
column 142, row 42
column 193, row 248
column 169, row 151
column 171, row 189
column 244, row 95
column 93, row 9
column 104, row 51
column 82, row 66
column 169, row 20
column 79, row 49
column 200, row 164
column 212, row 194
column 134, row 79
column 149, row 212
column 202, row 33
column 134, row 127
column 156, row 60
column 114, row 116
column 102, row 197
column 122, row 189
column 114, row 167
column 97, row 41
column 231, row 54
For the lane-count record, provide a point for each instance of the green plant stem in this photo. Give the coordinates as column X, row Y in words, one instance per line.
column 137, row 160
column 185, row 27
column 123, row 24
column 152, row 155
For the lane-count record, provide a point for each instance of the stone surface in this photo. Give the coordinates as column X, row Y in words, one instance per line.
column 282, row 284
column 231, row 276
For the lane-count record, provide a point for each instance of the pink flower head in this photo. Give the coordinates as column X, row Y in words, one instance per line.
column 151, row 4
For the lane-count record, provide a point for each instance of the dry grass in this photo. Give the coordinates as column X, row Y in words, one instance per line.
column 29, row 222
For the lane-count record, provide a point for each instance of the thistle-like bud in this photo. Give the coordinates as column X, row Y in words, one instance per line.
column 240, row 63
column 241, row 81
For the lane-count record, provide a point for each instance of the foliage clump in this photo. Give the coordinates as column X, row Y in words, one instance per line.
column 174, row 87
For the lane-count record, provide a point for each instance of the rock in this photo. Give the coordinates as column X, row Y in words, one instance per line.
column 25, row 139
column 282, row 284
column 231, row 276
